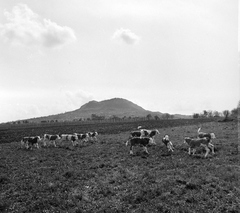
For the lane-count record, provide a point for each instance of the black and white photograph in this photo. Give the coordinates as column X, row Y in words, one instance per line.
column 110, row 106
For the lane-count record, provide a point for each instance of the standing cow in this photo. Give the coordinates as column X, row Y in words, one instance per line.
column 50, row 139
column 141, row 141
column 30, row 142
column 70, row 137
column 168, row 143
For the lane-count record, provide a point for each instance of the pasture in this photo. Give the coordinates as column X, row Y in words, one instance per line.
column 103, row 177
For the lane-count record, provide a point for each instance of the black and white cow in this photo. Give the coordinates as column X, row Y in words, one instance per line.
column 211, row 136
column 70, row 137
column 140, row 141
column 92, row 136
column 50, row 139
column 82, row 137
column 29, row 142
column 206, row 135
column 194, row 143
column 168, row 143
column 149, row 133
column 144, row 133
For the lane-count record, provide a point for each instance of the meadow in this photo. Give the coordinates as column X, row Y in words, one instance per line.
column 103, row 177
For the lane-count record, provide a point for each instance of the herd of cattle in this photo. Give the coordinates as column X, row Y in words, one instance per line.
column 47, row 139
column 141, row 137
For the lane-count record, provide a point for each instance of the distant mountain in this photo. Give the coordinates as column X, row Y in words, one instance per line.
column 113, row 107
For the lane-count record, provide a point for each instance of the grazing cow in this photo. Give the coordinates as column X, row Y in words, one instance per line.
column 206, row 135
column 29, row 142
column 24, row 142
column 149, row 133
column 144, row 133
column 168, row 143
column 92, row 136
column 50, row 138
column 193, row 143
column 82, row 137
column 211, row 136
column 141, row 141
column 70, row 137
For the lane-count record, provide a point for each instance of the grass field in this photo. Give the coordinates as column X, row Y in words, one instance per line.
column 103, row 177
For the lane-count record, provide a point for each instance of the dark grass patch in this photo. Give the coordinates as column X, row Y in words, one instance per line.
column 4, row 180
column 103, row 177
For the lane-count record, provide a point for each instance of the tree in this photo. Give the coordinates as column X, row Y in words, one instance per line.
column 226, row 113
column 216, row 114
column 210, row 114
column 196, row 115
column 234, row 113
column 166, row 116
column 205, row 113
column 149, row 116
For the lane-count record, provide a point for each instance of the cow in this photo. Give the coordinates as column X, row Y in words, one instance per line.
column 82, row 137
column 168, row 143
column 141, row 141
column 194, row 143
column 92, row 136
column 70, row 137
column 149, row 133
column 50, row 138
column 144, row 133
column 203, row 134
column 29, row 142
column 211, row 136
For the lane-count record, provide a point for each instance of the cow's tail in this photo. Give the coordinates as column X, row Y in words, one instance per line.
column 126, row 142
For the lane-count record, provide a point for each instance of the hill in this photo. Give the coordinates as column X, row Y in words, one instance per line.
column 113, row 107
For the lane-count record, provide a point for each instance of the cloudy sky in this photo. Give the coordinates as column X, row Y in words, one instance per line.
column 178, row 56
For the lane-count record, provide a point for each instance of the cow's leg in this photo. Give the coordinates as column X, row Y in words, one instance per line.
column 210, row 145
column 27, row 145
column 44, row 143
column 145, row 149
column 22, row 144
column 189, row 150
column 169, row 146
column 207, row 151
column 131, row 150
column 194, row 151
column 54, row 144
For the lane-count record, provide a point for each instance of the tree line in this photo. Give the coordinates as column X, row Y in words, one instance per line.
column 226, row 114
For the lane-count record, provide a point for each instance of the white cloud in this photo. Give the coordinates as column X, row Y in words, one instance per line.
column 28, row 28
column 126, row 36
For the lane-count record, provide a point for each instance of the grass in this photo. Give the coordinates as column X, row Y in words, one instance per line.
column 103, row 177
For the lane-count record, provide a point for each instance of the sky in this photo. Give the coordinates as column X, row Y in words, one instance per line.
column 177, row 57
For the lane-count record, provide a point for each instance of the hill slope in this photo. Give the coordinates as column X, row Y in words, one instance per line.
column 116, row 106
column 113, row 107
